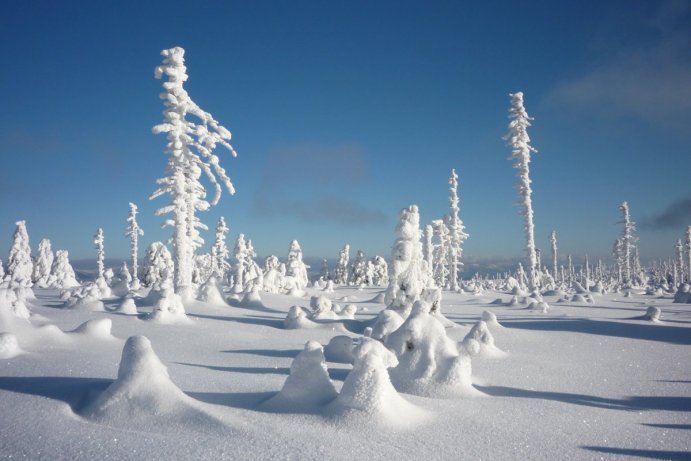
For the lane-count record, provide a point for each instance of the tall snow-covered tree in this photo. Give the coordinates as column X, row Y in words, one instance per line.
column 380, row 271
column 241, row 257
column 628, row 240
column 100, row 254
column 158, row 266
column 219, row 252
column 19, row 264
column 519, row 141
column 679, row 253
column 342, row 266
column 618, row 254
column 358, row 273
column 456, row 233
column 441, row 270
column 553, row 246
column 61, row 273
column 688, row 253
column 133, row 231
column 43, row 264
column 295, row 267
column 428, row 249
column 191, row 143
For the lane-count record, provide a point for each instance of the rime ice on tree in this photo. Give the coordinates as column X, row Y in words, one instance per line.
column 456, row 233
column 43, row 264
column 341, row 276
column 628, row 241
column 19, row 264
column 134, row 232
column 219, row 252
column 190, row 153
column 519, row 141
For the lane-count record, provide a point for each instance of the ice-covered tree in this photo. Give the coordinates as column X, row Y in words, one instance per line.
column 19, row 264
column 43, row 264
column 441, row 270
column 519, row 141
column 100, row 254
column 679, row 254
column 219, row 252
column 342, row 266
column 618, row 254
column 358, row 273
column 553, row 246
column 133, row 231
column 428, row 249
column 295, row 267
column 407, row 278
column 380, row 271
column 457, row 233
column 192, row 136
column 2, row 271
column 688, row 253
column 61, row 273
column 628, row 240
column 158, row 266
column 241, row 256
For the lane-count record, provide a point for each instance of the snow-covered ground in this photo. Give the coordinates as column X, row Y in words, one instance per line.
column 584, row 381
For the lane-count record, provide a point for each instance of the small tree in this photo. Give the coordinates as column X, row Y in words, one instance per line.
column 158, row 266
column 61, row 274
column 553, row 246
column 521, row 149
column 628, row 241
column 133, row 231
column 295, row 267
column 358, row 274
column 219, row 252
column 43, row 264
column 19, row 265
column 456, row 233
column 688, row 254
column 100, row 254
column 679, row 253
column 190, row 153
column 241, row 258
column 428, row 249
column 440, row 270
column 342, row 266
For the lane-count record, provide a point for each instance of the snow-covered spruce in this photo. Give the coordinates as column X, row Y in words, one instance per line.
column 519, row 141
column 628, row 241
column 367, row 391
column 440, row 258
column 12, row 301
column 143, row 394
column 43, row 264
column 61, row 273
column 133, row 231
column 101, row 282
column 169, row 308
column 19, row 265
column 358, row 271
column 683, row 294
column 87, row 297
column 428, row 360
column 211, row 292
column 308, row 388
column 296, row 269
column 457, row 234
column 190, row 153
column 341, row 275
column 157, row 271
column 298, row 318
column 380, row 271
column 219, row 251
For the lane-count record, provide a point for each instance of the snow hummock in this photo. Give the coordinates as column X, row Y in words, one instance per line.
column 128, row 306
column 340, row 349
column 169, row 308
column 367, row 391
column 9, row 346
column 653, row 314
column 308, row 387
column 97, row 328
column 490, row 319
column 143, row 394
column 480, row 333
column 297, row 318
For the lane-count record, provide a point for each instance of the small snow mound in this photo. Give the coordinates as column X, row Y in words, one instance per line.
column 653, row 314
column 578, row 298
column 308, row 388
column 498, row 301
column 128, row 306
column 340, row 349
column 386, row 323
column 297, row 318
column 470, row 347
column 9, row 346
column 12, row 300
column 143, row 395
column 491, row 319
column 97, row 328
column 539, row 306
column 252, row 300
column 367, row 391
column 513, row 301
column 683, row 294
column 169, row 309
column 210, row 292
column 480, row 333
column 320, row 305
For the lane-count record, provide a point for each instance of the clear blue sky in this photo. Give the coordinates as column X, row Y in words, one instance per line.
column 344, row 112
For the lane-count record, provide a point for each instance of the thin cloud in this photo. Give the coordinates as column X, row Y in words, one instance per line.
column 649, row 82
column 676, row 215
column 331, row 209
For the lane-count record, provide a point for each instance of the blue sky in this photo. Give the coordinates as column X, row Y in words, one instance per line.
column 344, row 112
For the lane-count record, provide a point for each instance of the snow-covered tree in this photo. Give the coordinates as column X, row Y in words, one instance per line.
column 428, row 249
column 61, row 274
column 519, row 141
column 407, row 278
column 456, row 233
column 43, row 264
column 628, row 240
column 553, row 246
column 688, row 253
column 2, row 271
column 679, row 255
column 295, row 267
column 618, row 254
column 158, row 265
column 133, row 231
column 380, row 271
column 441, row 270
column 100, row 254
column 358, row 272
column 241, row 256
column 273, row 278
column 219, row 252
column 342, row 266
column 324, row 273
column 19, row 264
column 191, row 143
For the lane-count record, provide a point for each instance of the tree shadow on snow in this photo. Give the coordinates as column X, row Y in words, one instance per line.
column 644, row 331
column 289, row 353
column 669, row 426
column 248, row 370
column 243, row 400
column 652, row 454
column 250, row 320
column 76, row 392
column 634, row 403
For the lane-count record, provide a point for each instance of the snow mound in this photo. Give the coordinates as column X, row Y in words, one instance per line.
column 252, row 300
column 12, row 301
column 539, row 306
column 297, row 318
column 169, row 309
column 210, row 292
column 480, row 333
column 143, row 395
column 128, row 306
column 428, row 360
column 340, row 349
column 308, row 388
column 490, row 319
column 513, row 301
column 652, row 314
column 96, row 328
column 683, row 294
column 9, row 346
column 86, row 298
column 385, row 323
column 368, row 393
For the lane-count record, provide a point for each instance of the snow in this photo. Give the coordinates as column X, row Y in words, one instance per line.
column 603, row 381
